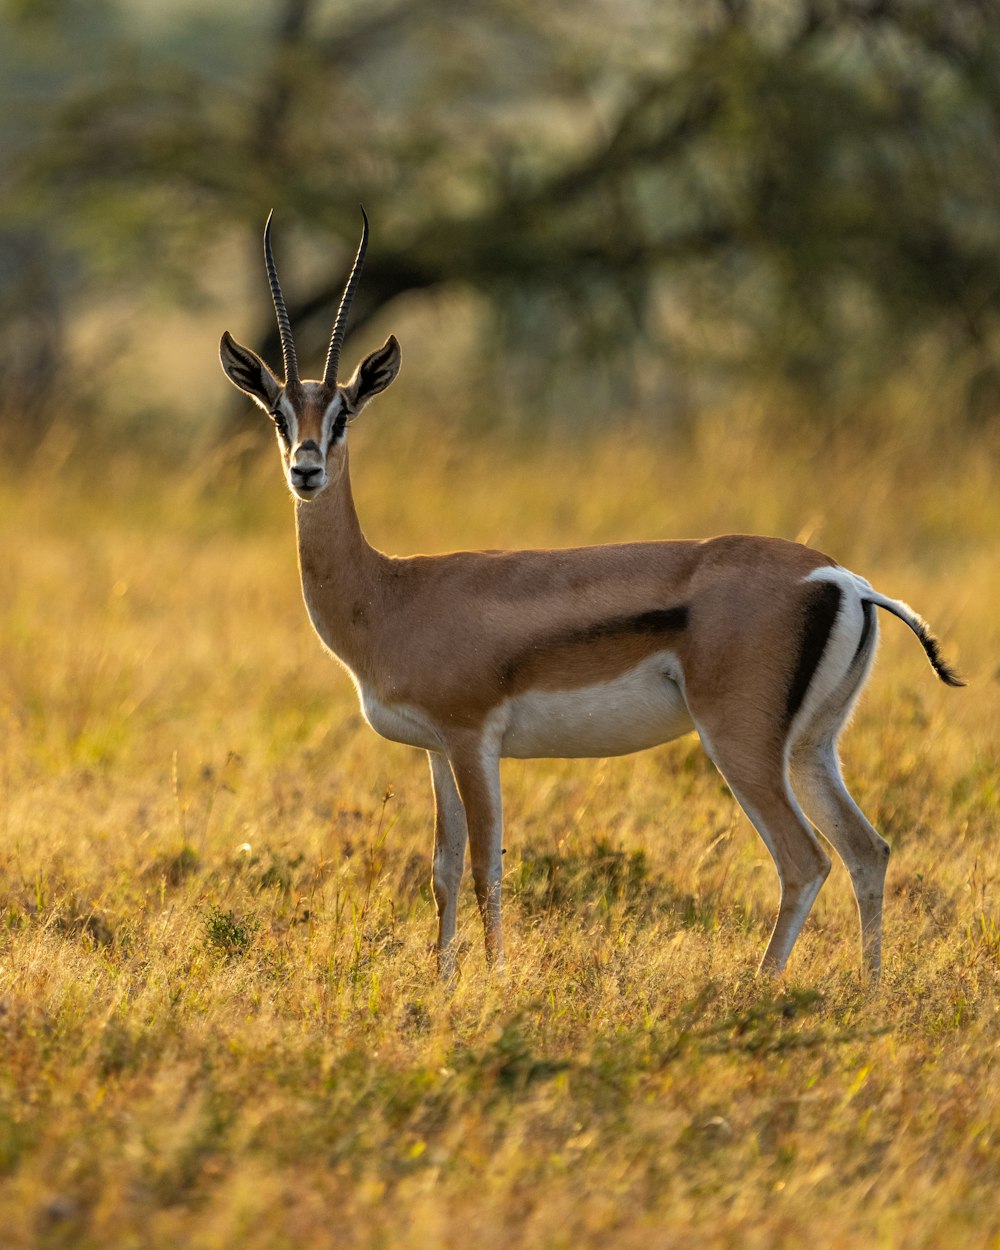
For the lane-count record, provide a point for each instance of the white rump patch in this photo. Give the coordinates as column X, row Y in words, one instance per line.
column 828, row 701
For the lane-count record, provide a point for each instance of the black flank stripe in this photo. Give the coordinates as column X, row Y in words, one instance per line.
column 821, row 608
column 644, row 624
column 657, row 621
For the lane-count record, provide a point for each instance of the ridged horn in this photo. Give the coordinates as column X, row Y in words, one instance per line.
column 284, row 325
column 340, row 325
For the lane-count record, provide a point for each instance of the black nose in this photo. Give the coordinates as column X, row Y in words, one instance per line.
column 306, row 472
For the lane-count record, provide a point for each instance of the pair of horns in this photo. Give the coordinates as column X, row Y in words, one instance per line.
column 340, row 323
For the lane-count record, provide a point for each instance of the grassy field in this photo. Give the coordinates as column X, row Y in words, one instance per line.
column 219, row 1023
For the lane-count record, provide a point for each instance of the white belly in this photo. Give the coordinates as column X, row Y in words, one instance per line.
column 640, row 709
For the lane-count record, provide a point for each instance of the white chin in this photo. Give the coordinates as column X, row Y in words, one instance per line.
column 306, row 495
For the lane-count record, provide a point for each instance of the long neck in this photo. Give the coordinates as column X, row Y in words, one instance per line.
column 341, row 572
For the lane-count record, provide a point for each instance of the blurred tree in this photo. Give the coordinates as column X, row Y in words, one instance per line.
column 805, row 189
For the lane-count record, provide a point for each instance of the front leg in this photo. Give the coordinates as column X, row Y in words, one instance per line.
column 477, row 774
column 450, row 836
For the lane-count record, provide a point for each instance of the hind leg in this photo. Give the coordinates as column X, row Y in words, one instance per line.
column 758, row 780
column 820, row 788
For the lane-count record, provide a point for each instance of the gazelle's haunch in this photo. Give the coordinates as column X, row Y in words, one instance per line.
column 760, row 645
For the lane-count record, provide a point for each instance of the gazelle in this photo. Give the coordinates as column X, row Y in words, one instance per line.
column 760, row 645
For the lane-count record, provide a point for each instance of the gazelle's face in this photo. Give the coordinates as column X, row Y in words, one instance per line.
column 310, row 417
column 310, row 420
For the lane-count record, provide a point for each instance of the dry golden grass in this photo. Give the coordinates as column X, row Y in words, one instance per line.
column 218, row 1016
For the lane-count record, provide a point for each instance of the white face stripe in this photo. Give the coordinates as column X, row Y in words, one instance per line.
column 335, row 410
column 284, row 413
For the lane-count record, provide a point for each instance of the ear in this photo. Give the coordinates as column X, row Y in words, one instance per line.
column 246, row 370
column 373, row 375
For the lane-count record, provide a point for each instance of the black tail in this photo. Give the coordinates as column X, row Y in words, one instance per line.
column 919, row 626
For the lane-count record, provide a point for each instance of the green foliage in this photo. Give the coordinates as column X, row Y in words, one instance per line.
column 230, row 933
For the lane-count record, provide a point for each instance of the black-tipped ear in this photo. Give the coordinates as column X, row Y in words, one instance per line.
column 373, row 375
column 246, row 370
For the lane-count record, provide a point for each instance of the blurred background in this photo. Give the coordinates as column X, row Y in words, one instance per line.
column 579, row 209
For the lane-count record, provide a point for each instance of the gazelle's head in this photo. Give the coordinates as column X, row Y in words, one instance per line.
column 311, row 418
